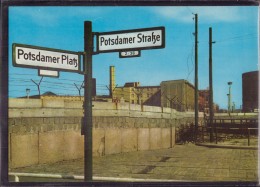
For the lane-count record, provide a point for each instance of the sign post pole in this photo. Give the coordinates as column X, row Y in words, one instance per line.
column 88, row 51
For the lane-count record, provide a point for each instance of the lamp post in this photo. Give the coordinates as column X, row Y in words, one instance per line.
column 27, row 92
column 233, row 107
column 229, row 97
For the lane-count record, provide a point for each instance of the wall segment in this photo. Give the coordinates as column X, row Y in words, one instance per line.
column 47, row 130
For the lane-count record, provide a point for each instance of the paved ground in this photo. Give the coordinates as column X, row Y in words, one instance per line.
column 183, row 162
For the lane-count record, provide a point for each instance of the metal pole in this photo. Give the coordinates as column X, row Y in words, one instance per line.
column 229, row 97
column 88, row 51
column 210, row 86
column 196, row 76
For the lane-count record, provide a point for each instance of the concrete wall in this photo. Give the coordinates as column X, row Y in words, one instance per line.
column 46, row 131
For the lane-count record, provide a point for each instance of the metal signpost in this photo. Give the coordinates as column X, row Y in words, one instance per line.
column 49, row 61
column 87, row 129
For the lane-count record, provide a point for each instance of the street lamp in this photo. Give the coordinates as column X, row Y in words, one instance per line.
column 28, row 92
column 229, row 97
column 228, row 103
column 233, row 107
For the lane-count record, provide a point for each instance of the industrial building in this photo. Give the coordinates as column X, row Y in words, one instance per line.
column 133, row 93
column 177, row 94
column 250, row 91
column 204, row 102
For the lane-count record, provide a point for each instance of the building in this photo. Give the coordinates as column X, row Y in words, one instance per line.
column 250, row 91
column 133, row 93
column 44, row 95
column 147, row 95
column 204, row 102
column 122, row 93
column 177, row 94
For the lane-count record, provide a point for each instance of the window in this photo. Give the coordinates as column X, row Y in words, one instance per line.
column 133, row 101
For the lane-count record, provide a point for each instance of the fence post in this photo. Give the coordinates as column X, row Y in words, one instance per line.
column 216, row 135
column 202, row 134
column 248, row 131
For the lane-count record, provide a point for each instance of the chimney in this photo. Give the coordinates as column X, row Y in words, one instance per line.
column 112, row 81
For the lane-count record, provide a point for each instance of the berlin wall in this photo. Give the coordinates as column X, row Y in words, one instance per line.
column 49, row 130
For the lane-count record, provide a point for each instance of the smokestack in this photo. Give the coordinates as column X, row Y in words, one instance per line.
column 112, row 81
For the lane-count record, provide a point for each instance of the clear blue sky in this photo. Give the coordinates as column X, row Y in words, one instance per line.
column 235, row 30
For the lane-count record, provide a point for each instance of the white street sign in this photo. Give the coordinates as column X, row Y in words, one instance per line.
column 127, row 54
column 40, row 58
column 147, row 38
column 48, row 73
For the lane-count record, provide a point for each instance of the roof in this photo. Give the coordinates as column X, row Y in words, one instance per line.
column 48, row 93
column 180, row 80
column 37, row 96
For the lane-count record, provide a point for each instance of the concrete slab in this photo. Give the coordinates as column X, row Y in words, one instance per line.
column 53, row 103
column 73, row 104
column 22, row 103
column 112, row 141
column 98, row 142
column 143, row 139
column 51, row 147
column 129, row 139
column 73, row 145
column 173, row 129
column 155, row 138
column 23, row 149
column 166, row 138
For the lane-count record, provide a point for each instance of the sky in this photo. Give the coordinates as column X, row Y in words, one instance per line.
column 235, row 51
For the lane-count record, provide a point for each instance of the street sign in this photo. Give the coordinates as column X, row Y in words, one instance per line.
column 131, row 40
column 45, row 58
column 48, row 73
column 128, row 54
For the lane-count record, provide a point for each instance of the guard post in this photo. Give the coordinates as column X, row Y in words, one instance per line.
column 87, row 130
